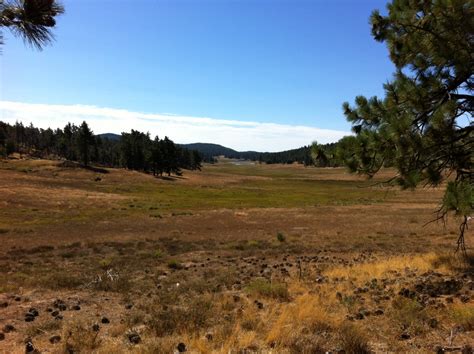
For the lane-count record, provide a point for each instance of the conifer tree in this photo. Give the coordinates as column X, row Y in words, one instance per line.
column 85, row 139
column 423, row 126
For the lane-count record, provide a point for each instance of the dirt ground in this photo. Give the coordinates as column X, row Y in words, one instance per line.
column 241, row 259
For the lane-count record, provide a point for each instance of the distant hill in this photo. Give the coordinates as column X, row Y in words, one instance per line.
column 213, row 150
column 110, row 136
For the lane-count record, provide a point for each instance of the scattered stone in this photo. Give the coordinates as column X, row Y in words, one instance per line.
column 433, row 322
column 76, row 307
column 3, row 304
column 2, row 336
column 58, row 317
column 465, row 298
column 378, row 312
column 128, row 306
column 8, row 328
column 105, row 320
column 17, row 298
column 134, row 338
column 55, row 339
column 359, row 316
column 405, row 336
column 29, row 347
column 33, row 311
column 29, row 317
column 95, row 327
column 181, row 347
column 209, row 336
column 55, row 313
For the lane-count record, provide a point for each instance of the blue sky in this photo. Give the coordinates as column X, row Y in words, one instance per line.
column 282, row 63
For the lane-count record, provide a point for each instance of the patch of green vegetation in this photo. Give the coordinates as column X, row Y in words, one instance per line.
column 266, row 288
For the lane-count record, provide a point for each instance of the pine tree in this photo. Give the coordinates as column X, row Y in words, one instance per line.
column 85, row 139
column 423, row 126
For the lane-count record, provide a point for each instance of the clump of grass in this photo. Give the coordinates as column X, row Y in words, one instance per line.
column 105, row 263
column 463, row 315
column 79, row 338
column 265, row 288
column 159, row 253
column 174, row 264
column 353, row 340
column 193, row 316
column 409, row 313
column 43, row 327
column 281, row 237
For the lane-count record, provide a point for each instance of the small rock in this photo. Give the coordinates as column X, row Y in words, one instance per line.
column 55, row 339
column 465, row 298
column 405, row 336
column 29, row 317
column 58, row 317
column 134, row 338
column 76, row 307
column 128, row 306
column 105, row 320
column 17, row 298
column 209, row 336
column 95, row 327
column 433, row 322
column 3, row 304
column 181, row 347
column 55, row 313
column 33, row 311
column 29, row 347
column 378, row 312
column 8, row 328
column 2, row 336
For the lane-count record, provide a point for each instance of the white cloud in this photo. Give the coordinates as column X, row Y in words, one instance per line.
column 239, row 135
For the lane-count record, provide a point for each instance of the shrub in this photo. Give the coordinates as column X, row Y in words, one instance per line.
column 174, row 264
column 281, row 237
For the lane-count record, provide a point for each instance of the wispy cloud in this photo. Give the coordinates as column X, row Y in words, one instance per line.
column 240, row 135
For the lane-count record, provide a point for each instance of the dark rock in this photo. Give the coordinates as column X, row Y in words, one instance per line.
column 8, row 328
column 29, row 317
column 58, row 317
column 17, row 298
column 33, row 311
column 128, row 306
column 465, row 298
column 55, row 339
column 3, row 304
column 359, row 316
column 378, row 312
column 2, row 336
column 76, row 307
column 49, row 309
column 134, row 338
column 95, row 327
column 209, row 336
column 55, row 313
column 449, row 300
column 433, row 322
column 181, row 347
column 404, row 336
column 29, row 347
column 105, row 320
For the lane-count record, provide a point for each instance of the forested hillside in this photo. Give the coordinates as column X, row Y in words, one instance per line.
column 134, row 150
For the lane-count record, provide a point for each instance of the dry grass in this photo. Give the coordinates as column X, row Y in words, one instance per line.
column 211, row 271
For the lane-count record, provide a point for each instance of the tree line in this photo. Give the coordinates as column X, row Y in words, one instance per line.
column 134, row 150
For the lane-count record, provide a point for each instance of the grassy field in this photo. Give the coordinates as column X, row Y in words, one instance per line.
column 250, row 258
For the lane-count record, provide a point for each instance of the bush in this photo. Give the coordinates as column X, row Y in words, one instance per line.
column 281, row 237
column 174, row 264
